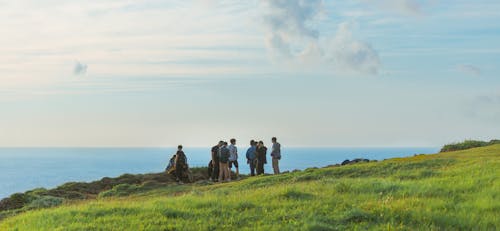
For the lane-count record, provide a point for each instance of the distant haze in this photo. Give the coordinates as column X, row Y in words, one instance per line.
column 312, row 73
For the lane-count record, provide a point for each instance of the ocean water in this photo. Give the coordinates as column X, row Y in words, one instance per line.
column 23, row 169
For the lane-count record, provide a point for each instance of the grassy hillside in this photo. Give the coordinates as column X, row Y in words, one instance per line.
column 447, row 191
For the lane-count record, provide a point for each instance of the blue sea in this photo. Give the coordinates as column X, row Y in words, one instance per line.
column 23, row 169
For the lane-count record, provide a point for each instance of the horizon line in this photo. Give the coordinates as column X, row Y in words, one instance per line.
column 290, row 146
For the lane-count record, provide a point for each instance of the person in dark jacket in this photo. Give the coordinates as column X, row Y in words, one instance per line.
column 223, row 163
column 180, row 163
column 261, row 157
column 214, row 174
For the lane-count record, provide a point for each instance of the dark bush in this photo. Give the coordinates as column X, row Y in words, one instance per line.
column 467, row 144
column 45, row 202
column 15, row 201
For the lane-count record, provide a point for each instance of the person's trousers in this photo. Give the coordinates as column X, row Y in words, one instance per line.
column 260, row 167
column 276, row 166
column 179, row 169
column 224, row 172
column 215, row 171
column 252, row 167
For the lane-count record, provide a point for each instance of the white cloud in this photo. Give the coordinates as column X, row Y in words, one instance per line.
column 79, row 68
column 292, row 36
column 124, row 38
column 469, row 69
column 352, row 55
column 288, row 23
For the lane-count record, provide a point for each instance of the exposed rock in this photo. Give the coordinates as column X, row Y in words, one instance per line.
column 357, row 160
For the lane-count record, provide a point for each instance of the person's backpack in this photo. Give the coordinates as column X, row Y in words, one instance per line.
column 171, row 165
column 278, row 154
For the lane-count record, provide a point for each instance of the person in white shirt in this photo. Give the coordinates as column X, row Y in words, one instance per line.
column 233, row 157
column 276, row 154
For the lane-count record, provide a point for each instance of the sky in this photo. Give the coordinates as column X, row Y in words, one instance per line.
column 154, row 73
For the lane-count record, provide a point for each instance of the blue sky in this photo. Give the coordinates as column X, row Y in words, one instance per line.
column 312, row 73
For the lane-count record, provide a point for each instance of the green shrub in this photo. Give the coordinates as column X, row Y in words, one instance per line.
column 45, row 202
column 36, row 191
column 15, row 201
column 121, row 190
column 467, row 144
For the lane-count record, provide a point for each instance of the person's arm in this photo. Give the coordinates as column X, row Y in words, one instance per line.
column 265, row 155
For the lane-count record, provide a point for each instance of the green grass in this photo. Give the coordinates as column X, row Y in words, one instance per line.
column 447, row 191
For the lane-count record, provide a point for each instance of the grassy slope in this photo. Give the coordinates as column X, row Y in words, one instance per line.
column 455, row 190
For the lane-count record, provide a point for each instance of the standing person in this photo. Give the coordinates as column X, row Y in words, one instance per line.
column 180, row 163
column 233, row 158
column 251, row 157
column 223, row 161
column 276, row 155
column 261, row 157
column 214, row 175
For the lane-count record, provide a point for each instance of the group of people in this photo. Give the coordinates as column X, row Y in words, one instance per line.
column 225, row 156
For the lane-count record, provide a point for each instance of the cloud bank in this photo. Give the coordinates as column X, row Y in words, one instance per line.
column 291, row 35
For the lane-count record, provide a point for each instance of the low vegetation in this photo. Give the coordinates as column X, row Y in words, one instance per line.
column 468, row 144
column 457, row 190
column 123, row 185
